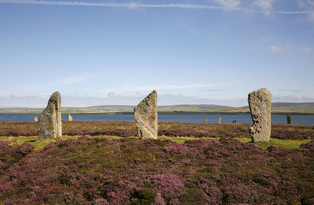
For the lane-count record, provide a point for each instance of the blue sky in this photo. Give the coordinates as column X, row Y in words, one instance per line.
column 116, row 52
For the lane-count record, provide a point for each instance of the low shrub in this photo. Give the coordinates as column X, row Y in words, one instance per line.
column 132, row 171
column 143, row 197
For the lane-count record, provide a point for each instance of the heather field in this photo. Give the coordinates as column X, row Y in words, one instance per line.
column 191, row 163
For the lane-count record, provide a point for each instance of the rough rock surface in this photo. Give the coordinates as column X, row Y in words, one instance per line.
column 146, row 117
column 260, row 108
column 219, row 120
column 70, row 118
column 289, row 119
column 50, row 124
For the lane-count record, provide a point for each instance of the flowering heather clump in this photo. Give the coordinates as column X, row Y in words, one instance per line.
column 11, row 154
column 112, row 132
column 292, row 135
column 132, row 171
column 292, row 132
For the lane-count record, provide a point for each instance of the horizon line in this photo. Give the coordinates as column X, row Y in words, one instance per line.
column 226, row 106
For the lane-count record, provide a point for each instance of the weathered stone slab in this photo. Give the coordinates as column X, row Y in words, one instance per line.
column 70, row 118
column 205, row 121
column 50, row 124
column 35, row 119
column 260, row 108
column 219, row 120
column 146, row 117
column 289, row 119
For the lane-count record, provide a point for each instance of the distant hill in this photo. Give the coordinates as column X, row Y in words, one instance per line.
column 101, row 108
column 190, row 107
column 290, row 106
column 129, row 108
column 277, row 107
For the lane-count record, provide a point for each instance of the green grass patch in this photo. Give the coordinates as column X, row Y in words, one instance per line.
column 291, row 144
column 40, row 143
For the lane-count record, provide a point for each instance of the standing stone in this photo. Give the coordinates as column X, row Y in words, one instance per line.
column 146, row 117
column 70, row 118
column 50, row 124
column 219, row 120
column 289, row 120
column 35, row 119
column 205, row 121
column 260, row 108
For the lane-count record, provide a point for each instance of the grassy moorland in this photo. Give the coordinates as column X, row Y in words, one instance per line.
column 103, row 163
column 289, row 136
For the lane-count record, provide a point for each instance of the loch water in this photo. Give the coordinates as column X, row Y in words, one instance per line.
column 188, row 118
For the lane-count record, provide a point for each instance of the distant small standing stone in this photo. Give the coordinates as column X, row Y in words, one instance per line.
column 205, row 121
column 289, row 119
column 260, row 108
column 146, row 117
column 50, row 124
column 219, row 120
column 70, row 118
column 35, row 119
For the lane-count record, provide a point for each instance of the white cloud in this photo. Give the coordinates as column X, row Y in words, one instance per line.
column 229, row 4
column 265, row 5
column 275, row 49
column 157, row 87
column 301, row 3
column 306, row 50
column 291, row 98
column 133, row 5
column 65, row 81
column 291, row 90
column 304, row 3
column 111, row 95
column 308, row 5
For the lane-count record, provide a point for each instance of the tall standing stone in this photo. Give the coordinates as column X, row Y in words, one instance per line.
column 50, row 124
column 219, row 120
column 146, row 117
column 289, row 120
column 260, row 108
column 35, row 119
column 205, row 121
column 70, row 118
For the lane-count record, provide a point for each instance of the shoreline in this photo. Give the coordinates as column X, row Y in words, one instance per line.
column 171, row 113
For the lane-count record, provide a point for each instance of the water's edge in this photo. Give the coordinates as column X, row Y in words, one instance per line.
column 188, row 118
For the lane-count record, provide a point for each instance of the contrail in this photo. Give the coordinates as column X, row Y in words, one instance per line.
column 139, row 5
column 128, row 5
